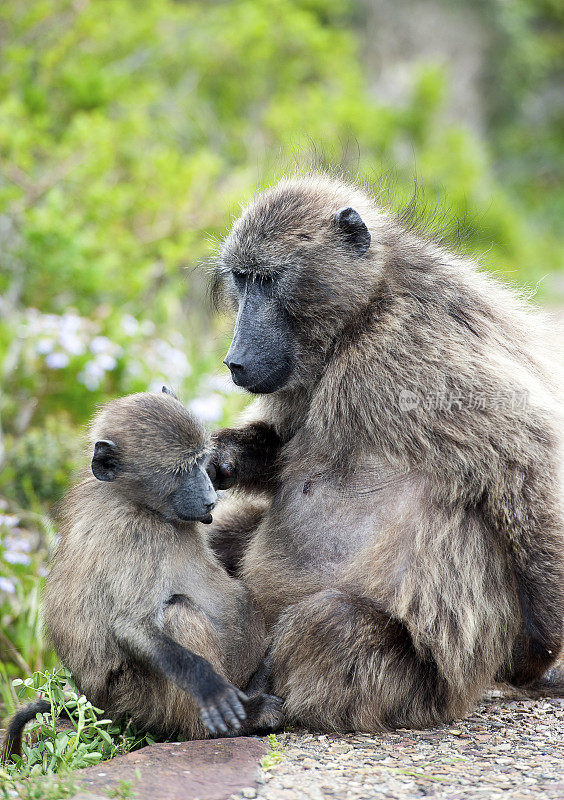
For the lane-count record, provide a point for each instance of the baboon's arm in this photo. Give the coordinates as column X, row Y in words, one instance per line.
column 219, row 701
column 245, row 457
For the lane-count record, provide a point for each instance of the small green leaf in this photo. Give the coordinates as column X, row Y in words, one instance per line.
column 92, row 758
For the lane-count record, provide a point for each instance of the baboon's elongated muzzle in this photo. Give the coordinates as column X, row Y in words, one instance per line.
column 196, row 498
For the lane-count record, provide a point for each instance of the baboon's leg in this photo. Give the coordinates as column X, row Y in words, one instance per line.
column 341, row 663
column 265, row 711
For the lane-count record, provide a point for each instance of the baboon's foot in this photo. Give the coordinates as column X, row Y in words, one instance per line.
column 264, row 714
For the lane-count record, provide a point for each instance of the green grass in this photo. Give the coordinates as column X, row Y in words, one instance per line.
column 38, row 787
column 274, row 756
column 53, row 749
column 124, row 791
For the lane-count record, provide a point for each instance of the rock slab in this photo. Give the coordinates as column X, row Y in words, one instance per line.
column 211, row 769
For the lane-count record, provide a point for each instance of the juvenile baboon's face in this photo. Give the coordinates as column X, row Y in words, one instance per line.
column 156, row 453
column 294, row 268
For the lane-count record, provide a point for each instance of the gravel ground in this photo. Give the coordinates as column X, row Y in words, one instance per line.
column 510, row 749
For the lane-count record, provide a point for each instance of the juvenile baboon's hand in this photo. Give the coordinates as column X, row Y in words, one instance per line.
column 221, row 707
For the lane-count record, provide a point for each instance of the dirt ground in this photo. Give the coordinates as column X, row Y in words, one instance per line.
column 506, row 749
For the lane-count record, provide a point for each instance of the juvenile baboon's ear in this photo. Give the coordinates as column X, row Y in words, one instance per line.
column 166, row 390
column 105, row 463
column 353, row 229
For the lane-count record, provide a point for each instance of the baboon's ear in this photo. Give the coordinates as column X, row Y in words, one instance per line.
column 105, row 463
column 353, row 229
column 166, row 390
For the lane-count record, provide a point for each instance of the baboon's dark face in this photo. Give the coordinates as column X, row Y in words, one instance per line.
column 156, row 453
column 193, row 497
column 186, row 494
column 262, row 353
column 294, row 268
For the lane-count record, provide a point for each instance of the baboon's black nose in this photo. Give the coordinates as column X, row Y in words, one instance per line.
column 237, row 370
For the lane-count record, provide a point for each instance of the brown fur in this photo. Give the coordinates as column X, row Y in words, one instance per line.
column 406, row 555
column 123, row 572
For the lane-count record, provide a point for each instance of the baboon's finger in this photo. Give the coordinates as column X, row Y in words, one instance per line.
column 206, row 719
column 217, row 719
column 228, row 714
column 237, row 706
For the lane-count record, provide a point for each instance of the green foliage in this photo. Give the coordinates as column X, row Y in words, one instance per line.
column 53, row 748
column 24, row 541
column 526, row 105
column 38, row 787
column 40, row 463
column 128, row 133
column 274, row 756
column 124, row 791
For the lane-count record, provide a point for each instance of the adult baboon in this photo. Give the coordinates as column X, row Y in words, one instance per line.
column 136, row 604
column 410, row 545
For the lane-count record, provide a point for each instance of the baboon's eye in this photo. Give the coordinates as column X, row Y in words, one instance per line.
column 239, row 277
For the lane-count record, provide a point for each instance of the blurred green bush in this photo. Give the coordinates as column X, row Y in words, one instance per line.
column 129, row 133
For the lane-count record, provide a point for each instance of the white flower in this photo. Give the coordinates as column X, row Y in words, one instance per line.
column 147, row 327
column 106, row 362
column 91, row 376
column 13, row 544
column 50, row 322
column 57, row 360
column 168, row 361
column 6, row 585
column 9, row 520
column 44, row 346
column 16, row 558
column 71, row 322
column 129, row 325
column 72, row 344
column 101, row 344
column 208, row 408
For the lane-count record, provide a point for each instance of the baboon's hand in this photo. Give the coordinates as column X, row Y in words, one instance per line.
column 222, row 465
column 244, row 456
column 221, row 707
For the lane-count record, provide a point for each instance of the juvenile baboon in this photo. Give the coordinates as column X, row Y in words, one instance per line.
column 136, row 604
column 407, row 453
